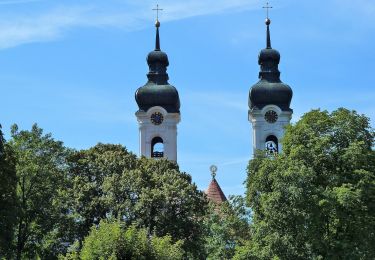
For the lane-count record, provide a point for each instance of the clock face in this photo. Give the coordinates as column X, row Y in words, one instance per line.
column 271, row 147
column 271, row 116
column 157, row 118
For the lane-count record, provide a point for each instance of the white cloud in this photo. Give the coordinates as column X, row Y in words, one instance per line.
column 177, row 10
column 17, row 28
column 12, row 2
column 20, row 30
column 36, row 26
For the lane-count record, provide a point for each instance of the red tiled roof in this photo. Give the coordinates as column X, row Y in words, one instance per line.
column 214, row 192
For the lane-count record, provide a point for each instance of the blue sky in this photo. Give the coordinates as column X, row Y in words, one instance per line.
column 73, row 67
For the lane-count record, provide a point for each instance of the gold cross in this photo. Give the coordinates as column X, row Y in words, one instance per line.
column 267, row 7
column 157, row 9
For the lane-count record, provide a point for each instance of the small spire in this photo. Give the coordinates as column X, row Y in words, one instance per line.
column 157, row 41
column 268, row 22
column 157, row 25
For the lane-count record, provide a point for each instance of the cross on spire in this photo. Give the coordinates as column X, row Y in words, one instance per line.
column 267, row 7
column 157, row 9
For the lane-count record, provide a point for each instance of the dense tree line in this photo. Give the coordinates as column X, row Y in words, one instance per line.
column 59, row 202
column 8, row 197
column 316, row 200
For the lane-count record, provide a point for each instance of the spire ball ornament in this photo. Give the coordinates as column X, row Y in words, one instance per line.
column 157, row 9
column 268, row 21
column 213, row 169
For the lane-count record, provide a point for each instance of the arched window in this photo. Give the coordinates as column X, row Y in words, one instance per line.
column 157, row 147
column 272, row 144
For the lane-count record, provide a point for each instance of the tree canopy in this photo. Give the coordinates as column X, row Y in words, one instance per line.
column 227, row 226
column 110, row 240
column 8, row 199
column 40, row 166
column 107, row 181
column 61, row 194
column 317, row 199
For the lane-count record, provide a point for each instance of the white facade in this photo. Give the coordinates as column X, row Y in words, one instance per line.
column 166, row 130
column 263, row 129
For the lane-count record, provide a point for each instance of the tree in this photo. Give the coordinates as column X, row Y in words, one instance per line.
column 110, row 240
column 89, row 171
column 157, row 196
column 108, row 181
column 40, row 167
column 227, row 227
column 317, row 199
column 8, row 201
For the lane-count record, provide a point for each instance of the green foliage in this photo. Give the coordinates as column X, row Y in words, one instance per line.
column 107, row 181
column 8, row 199
column 103, row 243
column 60, row 194
column 164, row 248
column 40, row 167
column 227, row 228
column 89, row 173
column 163, row 200
column 317, row 199
column 111, row 241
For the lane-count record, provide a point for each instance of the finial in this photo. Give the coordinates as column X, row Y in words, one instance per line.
column 157, row 25
column 267, row 7
column 213, row 169
column 268, row 22
column 157, row 9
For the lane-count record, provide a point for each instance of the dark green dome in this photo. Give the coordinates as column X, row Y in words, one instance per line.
column 157, row 91
column 267, row 55
column 266, row 93
column 152, row 94
column 270, row 89
column 157, row 56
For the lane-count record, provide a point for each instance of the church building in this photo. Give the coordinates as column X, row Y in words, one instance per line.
column 159, row 109
column 269, row 101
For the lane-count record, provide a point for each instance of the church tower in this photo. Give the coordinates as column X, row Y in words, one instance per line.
column 269, row 101
column 159, row 108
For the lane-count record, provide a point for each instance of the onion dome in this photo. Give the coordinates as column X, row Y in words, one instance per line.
column 270, row 89
column 157, row 91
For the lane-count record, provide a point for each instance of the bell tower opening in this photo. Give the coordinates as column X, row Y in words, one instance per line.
column 272, row 144
column 157, row 147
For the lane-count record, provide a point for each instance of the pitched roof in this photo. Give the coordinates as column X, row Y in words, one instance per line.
column 214, row 192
